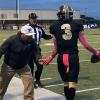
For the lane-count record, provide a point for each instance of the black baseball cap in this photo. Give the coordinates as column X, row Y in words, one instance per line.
column 32, row 15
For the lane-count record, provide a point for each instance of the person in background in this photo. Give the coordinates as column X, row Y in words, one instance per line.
column 17, row 50
column 66, row 33
column 39, row 33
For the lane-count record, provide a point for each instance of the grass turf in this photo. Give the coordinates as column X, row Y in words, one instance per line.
column 89, row 73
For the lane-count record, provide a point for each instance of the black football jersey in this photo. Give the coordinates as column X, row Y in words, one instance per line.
column 66, row 35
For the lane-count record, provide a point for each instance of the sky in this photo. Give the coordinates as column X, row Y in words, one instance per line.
column 90, row 8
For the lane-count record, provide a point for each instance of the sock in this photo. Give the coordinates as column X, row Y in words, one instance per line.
column 71, row 94
column 66, row 90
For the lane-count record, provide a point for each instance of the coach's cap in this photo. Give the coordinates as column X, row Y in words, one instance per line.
column 33, row 15
column 27, row 30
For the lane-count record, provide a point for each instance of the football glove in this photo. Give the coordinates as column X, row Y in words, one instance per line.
column 95, row 57
column 47, row 59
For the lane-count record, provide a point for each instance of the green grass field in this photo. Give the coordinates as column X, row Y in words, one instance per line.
column 89, row 79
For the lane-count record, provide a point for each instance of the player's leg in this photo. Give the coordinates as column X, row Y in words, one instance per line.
column 66, row 89
column 63, row 74
column 71, row 91
column 73, row 75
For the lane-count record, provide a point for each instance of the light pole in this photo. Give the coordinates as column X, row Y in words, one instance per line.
column 17, row 13
column 86, row 11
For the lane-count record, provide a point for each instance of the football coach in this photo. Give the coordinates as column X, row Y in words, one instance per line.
column 17, row 50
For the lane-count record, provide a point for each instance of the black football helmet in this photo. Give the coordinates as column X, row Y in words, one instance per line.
column 65, row 13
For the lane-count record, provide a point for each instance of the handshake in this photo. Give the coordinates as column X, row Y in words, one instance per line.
column 95, row 57
column 45, row 60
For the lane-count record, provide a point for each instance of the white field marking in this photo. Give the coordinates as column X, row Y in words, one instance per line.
column 78, row 91
column 86, row 90
column 53, row 63
column 48, row 44
column 47, row 52
column 46, row 79
column 80, row 62
column 54, row 85
column 94, row 42
column 79, row 44
column 84, row 61
column 90, row 43
column 4, row 39
column 85, row 49
column 51, row 51
column 79, row 50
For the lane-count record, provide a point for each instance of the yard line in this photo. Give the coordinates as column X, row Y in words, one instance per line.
column 4, row 39
column 80, row 62
column 86, row 90
column 46, row 79
column 48, row 44
column 53, row 85
column 53, row 63
column 91, row 43
column 84, row 61
column 79, row 50
column 47, row 52
column 85, row 49
column 79, row 44
column 78, row 91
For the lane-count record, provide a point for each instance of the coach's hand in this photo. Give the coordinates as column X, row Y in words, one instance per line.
column 40, row 61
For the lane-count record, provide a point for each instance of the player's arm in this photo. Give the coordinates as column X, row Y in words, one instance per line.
column 46, row 36
column 48, row 58
column 86, row 45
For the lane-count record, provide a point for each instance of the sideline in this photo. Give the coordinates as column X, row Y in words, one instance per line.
column 15, row 92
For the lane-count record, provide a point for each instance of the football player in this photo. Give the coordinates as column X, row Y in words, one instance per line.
column 66, row 33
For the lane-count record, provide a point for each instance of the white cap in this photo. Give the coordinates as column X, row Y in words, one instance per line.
column 27, row 30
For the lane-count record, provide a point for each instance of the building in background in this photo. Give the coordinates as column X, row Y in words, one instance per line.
column 10, row 20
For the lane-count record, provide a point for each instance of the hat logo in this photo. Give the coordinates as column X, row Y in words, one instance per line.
column 30, row 30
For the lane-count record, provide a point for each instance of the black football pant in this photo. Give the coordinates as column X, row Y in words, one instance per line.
column 71, row 76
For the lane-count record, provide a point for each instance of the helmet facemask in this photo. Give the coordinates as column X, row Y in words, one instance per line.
column 65, row 13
